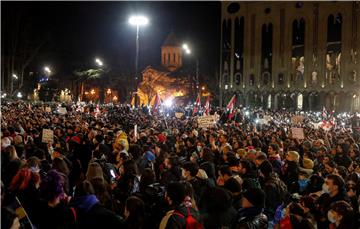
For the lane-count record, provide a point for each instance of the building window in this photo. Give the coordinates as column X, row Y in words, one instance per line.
column 252, row 80
column 238, row 78
column 267, row 10
column 233, row 7
column 281, row 79
column 298, row 50
column 266, row 53
column 333, row 49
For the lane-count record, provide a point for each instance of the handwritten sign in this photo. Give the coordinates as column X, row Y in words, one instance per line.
column 207, row 121
column 62, row 110
column 297, row 133
column 297, row 119
column 179, row 114
column 47, row 136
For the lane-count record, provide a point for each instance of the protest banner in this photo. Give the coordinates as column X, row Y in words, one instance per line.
column 179, row 114
column 297, row 119
column 62, row 110
column 297, row 133
column 207, row 121
column 47, row 136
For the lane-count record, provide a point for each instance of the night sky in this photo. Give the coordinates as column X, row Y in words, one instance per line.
column 78, row 32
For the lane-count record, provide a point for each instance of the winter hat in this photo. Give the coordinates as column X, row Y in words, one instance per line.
column 255, row 196
column 76, row 139
column 149, row 156
column 162, row 138
column 266, row 168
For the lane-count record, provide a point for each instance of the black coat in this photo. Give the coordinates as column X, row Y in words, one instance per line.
column 91, row 214
column 251, row 218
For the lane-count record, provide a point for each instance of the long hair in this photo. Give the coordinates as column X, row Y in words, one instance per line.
column 136, row 209
column 60, row 165
column 94, row 171
column 23, row 179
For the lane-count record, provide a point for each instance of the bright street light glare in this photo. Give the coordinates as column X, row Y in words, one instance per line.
column 185, row 46
column 19, row 95
column 138, row 20
column 47, row 69
column 168, row 102
column 15, row 76
column 99, row 62
column 188, row 51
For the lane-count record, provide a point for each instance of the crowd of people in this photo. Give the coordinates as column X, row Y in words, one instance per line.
column 114, row 166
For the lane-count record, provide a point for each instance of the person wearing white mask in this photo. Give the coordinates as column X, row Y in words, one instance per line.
column 333, row 190
column 341, row 215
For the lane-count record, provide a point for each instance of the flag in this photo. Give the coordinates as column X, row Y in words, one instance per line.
column 207, row 106
column 156, row 104
column 231, row 107
column 197, row 104
column 324, row 112
column 97, row 110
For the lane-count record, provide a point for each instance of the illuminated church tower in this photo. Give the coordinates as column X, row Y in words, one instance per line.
column 171, row 53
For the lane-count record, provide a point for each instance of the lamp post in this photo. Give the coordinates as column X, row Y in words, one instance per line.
column 188, row 52
column 137, row 21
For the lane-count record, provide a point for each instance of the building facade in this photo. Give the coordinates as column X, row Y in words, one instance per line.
column 293, row 55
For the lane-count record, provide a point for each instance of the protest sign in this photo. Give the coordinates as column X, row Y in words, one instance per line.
column 206, row 121
column 179, row 114
column 297, row 133
column 47, row 136
column 62, row 110
column 297, row 119
column 135, row 132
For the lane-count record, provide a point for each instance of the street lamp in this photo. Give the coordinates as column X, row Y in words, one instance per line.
column 137, row 21
column 99, row 62
column 188, row 52
column 47, row 70
column 15, row 76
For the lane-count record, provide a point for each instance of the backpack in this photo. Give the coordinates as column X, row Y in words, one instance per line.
column 190, row 221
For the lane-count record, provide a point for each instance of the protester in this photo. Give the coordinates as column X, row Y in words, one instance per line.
column 97, row 173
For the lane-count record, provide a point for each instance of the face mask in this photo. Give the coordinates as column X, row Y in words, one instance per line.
column 331, row 217
column 198, row 148
column 325, row 188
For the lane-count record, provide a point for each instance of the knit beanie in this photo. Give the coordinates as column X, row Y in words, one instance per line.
column 255, row 196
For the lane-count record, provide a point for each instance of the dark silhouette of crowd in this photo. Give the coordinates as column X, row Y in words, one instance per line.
column 100, row 171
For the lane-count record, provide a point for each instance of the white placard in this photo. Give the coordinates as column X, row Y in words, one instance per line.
column 62, row 110
column 207, row 121
column 135, row 132
column 297, row 133
column 47, row 136
column 297, row 119
column 179, row 114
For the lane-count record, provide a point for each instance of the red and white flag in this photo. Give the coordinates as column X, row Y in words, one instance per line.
column 231, row 107
column 197, row 105
column 207, row 106
column 156, row 104
column 97, row 110
column 324, row 113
